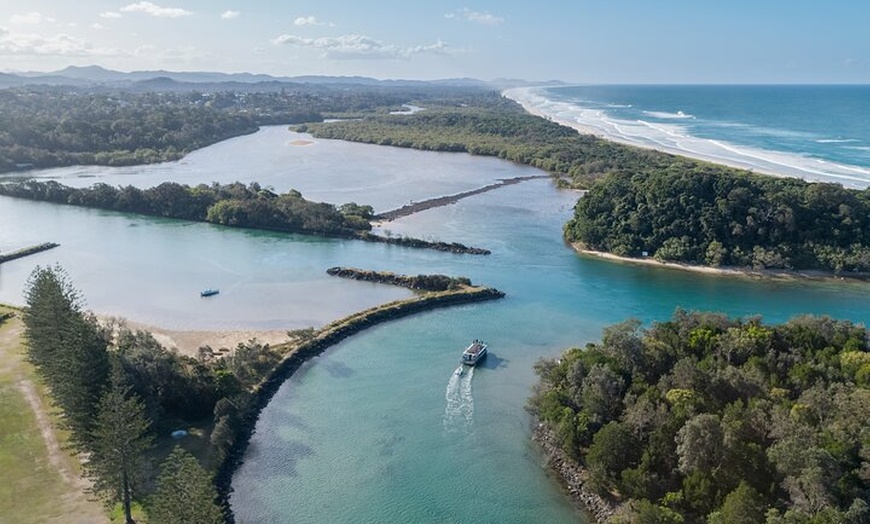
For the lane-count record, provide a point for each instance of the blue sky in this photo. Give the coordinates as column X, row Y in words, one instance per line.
column 584, row 41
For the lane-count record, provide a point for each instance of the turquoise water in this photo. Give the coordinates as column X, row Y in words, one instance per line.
column 813, row 132
column 379, row 429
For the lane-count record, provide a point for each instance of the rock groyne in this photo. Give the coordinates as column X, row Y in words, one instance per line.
column 297, row 353
column 416, row 207
column 20, row 253
column 417, row 283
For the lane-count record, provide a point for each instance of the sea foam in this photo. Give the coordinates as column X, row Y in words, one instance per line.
column 675, row 138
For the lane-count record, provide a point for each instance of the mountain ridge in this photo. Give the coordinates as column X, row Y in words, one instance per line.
column 98, row 76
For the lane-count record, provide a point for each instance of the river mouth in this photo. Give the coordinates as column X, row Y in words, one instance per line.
column 358, row 434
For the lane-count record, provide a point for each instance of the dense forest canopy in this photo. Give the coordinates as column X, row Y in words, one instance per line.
column 712, row 218
column 59, row 126
column 233, row 204
column 709, row 419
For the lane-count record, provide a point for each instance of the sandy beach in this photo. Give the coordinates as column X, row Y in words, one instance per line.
column 188, row 342
column 671, row 138
column 724, row 271
column 525, row 97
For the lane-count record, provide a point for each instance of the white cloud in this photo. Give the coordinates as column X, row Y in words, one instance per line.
column 110, row 14
column 359, row 47
column 57, row 45
column 31, row 18
column 155, row 10
column 310, row 20
column 97, row 26
column 229, row 15
column 476, row 16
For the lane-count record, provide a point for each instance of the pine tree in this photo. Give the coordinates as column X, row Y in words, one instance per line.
column 68, row 348
column 185, row 493
column 120, row 439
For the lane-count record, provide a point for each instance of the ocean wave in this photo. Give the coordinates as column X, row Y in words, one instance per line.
column 668, row 116
column 836, row 140
column 676, row 139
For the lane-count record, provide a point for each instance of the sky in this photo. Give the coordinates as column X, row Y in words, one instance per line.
column 576, row 41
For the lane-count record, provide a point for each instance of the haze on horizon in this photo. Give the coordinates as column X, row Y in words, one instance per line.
column 582, row 41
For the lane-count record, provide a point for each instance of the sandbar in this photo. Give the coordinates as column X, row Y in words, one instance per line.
column 774, row 274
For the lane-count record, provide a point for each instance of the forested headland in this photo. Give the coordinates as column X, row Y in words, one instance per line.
column 705, row 418
column 706, row 217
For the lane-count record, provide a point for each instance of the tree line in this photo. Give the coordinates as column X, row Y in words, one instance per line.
column 235, row 204
column 43, row 127
column 704, row 418
column 708, row 217
column 118, row 390
column 490, row 125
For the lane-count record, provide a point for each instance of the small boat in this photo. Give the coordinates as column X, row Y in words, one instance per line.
column 209, row 292
column 474, row 352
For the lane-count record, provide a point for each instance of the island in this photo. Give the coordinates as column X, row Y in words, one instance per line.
column 234, row 205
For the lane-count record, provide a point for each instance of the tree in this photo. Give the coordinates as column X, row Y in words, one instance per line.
column 120, row 438
column 68, row 348
column 614, row 449
column 744, row 505
column 185, row 493
column 699, row 444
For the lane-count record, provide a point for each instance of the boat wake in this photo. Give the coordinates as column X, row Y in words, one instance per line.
column 459, row 412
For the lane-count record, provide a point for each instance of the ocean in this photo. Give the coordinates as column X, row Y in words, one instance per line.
column 815, row 132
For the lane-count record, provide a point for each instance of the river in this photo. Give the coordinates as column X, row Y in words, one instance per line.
column 378, row 429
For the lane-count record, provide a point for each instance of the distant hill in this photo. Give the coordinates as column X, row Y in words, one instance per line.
column 97, row 76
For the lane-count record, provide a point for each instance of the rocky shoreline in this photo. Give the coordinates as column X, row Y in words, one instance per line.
column 572, row 477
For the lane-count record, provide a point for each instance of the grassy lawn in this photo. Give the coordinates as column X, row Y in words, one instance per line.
column 35, row 486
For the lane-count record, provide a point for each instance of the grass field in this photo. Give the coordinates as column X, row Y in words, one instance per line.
column 39, row 481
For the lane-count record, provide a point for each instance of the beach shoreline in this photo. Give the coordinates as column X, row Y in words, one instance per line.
column 768, row 274
column 675, row 142
column 187, row 342
column 521, row 95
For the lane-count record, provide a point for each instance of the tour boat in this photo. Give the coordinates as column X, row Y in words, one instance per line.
column 208, row 292
column 474, row 352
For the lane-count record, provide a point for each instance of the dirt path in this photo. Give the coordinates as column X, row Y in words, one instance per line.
column 55, row 457
column 74, row 504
